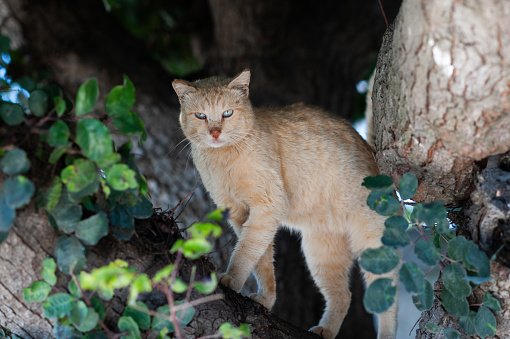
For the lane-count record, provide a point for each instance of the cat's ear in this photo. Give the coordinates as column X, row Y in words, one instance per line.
column 182, row 88
column 241, row 82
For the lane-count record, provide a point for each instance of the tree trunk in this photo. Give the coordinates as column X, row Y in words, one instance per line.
column 441, row 110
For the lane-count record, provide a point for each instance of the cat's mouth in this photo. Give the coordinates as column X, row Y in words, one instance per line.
column 215, row 143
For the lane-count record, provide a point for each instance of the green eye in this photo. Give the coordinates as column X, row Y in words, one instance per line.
column 228, row 113
column 200, row 116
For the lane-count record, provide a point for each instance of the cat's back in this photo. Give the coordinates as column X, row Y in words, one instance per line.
column 304, row 130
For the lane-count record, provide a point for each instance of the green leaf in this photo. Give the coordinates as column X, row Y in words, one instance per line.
column 128, row 324
column 58, row 134
column 94, row 139
column 77, row 313
column 120, row 99
column 378, row 182
column 491, row 302
column 38, row 103
column 74, row 289
column 130, row 124
column 95, row 335
column 69, row 251
column 143, row 319
column 387, row 205
column 457, row 248
column 12, row 114
column 468, row 323
column 426, row 252
column 60, row 105
column 226, row 330
column 454, row 280
column 141, row 284
column 163, row 273
column 92, row 229
column 80, row 175
column 122, row 223
column 90, row 321
column 412, row 277
column 397, row 222
column 204, row 229
column 98, row 306
column 395, row 237
column 451, row 333
column 109, row 160
column 7, row 214
column 18, row 191
column 53, row 193
column 458, row 307
column 206, row 286
column 66, row 214
column 15, row 162
column 485, row 322
column 61, row 331
column 48, row 271
column 120, row 177
column 143, row 208
column 379, row 260
column 178, row 286
column 379, row 296
column 431, row 214
column 196, row 247
column 57, row 305
column 37, row 292
column 219, row 214
column 86, row 97
column 407, row 186
column 57, row 153
column 184, row 318
column 424, row 299
column 432, row 328
column 477, row 261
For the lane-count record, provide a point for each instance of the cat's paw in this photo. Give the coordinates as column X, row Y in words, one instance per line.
column 324, row 333
column 265, row 300
column 228, row 281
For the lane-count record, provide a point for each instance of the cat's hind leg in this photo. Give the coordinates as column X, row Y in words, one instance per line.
column 264, row 273
column 329, row 260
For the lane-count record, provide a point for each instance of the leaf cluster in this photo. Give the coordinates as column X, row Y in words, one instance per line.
column 80, row 312
column 464, row 267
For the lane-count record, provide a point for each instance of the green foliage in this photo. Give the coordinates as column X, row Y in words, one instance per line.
column 86, row 97
column 228, row 331
column 12, row 114
column 379, row 296
column 465, row 265
column 379, row 260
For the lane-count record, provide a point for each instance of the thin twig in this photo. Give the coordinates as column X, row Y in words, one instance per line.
column 384, row 14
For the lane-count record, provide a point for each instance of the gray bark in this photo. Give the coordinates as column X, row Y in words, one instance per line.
column 441, row 94
column 441, row 111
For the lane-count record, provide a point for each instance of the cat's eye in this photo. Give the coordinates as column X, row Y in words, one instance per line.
column 228, row 113
column 200, row 116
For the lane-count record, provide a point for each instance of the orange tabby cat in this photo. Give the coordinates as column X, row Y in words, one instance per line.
column 296, row 166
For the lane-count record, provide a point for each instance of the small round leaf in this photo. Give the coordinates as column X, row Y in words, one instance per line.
column 86, row 97
column 11, row 113
column 15, row 162
column 38, row 103
column 407, row 186
column 379, row 296
column 379, row 260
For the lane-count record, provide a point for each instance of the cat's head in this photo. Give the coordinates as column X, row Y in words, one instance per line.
column 215, row 112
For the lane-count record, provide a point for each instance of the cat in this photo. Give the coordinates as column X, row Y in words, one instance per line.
column 296, row 166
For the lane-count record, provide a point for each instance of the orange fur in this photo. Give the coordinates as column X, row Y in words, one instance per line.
column 296, row 166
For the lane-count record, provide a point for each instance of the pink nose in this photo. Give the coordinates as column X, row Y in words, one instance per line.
column 215, row 133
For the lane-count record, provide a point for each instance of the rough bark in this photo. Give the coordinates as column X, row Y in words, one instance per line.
column 441, row 111
column 441, row 93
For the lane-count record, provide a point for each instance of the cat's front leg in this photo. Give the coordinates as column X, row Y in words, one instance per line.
column 255, row 236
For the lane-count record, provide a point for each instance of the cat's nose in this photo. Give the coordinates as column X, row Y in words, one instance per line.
column 215, row 133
